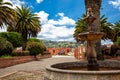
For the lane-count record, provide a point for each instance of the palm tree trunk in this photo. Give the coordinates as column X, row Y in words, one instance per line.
column 24, row 35
column 95, row 5
column 24, row 45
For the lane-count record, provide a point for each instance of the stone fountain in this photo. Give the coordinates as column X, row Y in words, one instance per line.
column 91, row 36
column 87, row 70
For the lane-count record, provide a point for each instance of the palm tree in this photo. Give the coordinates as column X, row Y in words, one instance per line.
column 95, row 5
column 116, row 30
column 105, row 27
column 7, row 14
column 28, row 24
column 80, row 27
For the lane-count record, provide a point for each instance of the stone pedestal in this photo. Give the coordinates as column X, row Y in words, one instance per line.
column 91, row 37
column 92, row 64
column 91, row 56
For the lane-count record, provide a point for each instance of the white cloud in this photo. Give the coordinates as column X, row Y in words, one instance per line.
column 56, row 33
column 115, row 3
column 62, row 21
column 15, row 2
column 39, row 1
column 105, row 42
column 43, row 17
column 59, row 30
column 60, row 14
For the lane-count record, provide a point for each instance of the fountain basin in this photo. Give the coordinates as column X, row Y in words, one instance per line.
column 91, row 35
column 60, row 72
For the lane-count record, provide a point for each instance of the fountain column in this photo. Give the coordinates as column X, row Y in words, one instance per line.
column 91, row 36
column 91, row 53
column 91, row 56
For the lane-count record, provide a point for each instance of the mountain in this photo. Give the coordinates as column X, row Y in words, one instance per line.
column 60, row 44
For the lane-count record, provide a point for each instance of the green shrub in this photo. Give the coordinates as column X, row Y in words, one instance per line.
column 118, row 41
column 114, row 48
column 38, row 41
column 13, row 37
column 2, row 41
column 117, row 53
column 34, row 40
column 6, row 47
column 20, row 53
column 6, row 56
column 35, row 48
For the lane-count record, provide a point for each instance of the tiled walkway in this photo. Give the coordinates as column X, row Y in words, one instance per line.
column 33, row 68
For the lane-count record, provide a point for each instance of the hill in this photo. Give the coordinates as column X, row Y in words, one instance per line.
column 60, row 44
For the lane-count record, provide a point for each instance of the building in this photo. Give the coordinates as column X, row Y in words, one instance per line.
column 79, row 52
column 59, row 51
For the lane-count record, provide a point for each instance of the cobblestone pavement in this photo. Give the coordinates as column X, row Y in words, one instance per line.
column 32, row 70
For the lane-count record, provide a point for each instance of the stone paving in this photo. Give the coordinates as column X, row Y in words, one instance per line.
column 32, row 70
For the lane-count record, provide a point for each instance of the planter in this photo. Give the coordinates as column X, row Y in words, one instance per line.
column 6, row 62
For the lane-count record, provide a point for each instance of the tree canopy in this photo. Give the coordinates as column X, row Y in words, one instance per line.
column 105, row 27
column 28, row 24
column 7, row 14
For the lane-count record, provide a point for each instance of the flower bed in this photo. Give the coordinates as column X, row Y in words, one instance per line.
column 6, row 62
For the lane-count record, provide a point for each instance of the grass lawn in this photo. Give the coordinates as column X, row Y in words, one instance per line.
column 5, row 56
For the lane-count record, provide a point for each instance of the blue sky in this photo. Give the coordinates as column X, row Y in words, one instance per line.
column 58, row 17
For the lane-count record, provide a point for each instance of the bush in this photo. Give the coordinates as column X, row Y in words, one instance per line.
column 117, row 53
column 38, row 41
column 2, row 41
column 6, row 47
column 6, row 56
column 118, row 41
column 114, row 49
column 35, row 48
column 13, row 37
column 34, row 40
column 105, row 50
column 20, row 53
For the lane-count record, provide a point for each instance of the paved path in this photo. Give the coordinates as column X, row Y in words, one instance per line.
column 35, row 65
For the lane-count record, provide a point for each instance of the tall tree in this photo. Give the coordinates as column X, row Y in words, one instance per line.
column 28, row 24
column 80, row 27
column 95, row 5
column 7, row 14
column 105, row 27
column 116, row 30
